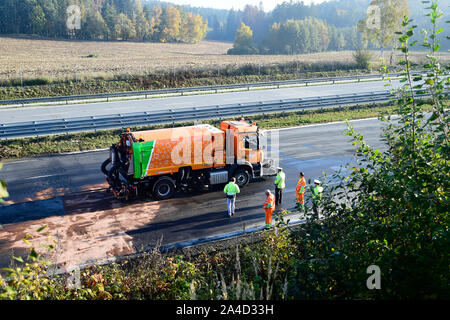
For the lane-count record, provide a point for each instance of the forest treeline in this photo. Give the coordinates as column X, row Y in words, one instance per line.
column 161, row 22
column 295, row 37
column 291, row 27
column 102, row 20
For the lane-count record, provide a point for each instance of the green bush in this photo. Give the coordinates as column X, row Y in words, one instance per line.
column 362, row 58
column 392, row 209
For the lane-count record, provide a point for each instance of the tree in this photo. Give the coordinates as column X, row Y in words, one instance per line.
column 233, row 23
column 38, row 19
column 124, row 28
column 299, row 36
column 109, row 14
column 318, row 33
column 61, row 17
column 352, row 38
column 156, row 23
column 293, row 37
column 381, row 29
column 254, row 17
column 337, row 39
column 171, row 22
column 216, row 28
column 243, row 42
column 141, row 23
column 125, row 6
column 51, row 16
column 362, row 58
column 94, row 26
column 193, row 28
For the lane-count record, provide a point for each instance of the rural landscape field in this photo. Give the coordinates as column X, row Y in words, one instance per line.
column 68, row 60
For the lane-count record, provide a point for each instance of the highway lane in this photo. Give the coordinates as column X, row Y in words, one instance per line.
column 92, row 225
column 36, row 113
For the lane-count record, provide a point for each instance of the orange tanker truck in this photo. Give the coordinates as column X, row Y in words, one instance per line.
column 161, row 162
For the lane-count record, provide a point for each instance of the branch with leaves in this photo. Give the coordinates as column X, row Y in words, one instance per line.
column 3, row 191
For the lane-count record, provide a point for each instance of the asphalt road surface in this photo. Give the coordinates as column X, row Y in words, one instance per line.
column 35, row 113
column 67, row 194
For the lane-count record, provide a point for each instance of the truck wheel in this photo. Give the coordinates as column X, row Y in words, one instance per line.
column 242, row 177
column 164, row 188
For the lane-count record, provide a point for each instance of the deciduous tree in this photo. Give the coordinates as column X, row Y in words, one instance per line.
column 141, row 23
column 124, row 28
column 243, row 42
column 382, row 29
column 171, row 23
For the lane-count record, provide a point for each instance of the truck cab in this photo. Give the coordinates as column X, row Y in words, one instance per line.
column 244, row 148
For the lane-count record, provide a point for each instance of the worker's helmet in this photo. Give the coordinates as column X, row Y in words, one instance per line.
column 268, row 192
column 317, row 181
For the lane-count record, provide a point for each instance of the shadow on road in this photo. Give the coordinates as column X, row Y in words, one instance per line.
column 197, row 222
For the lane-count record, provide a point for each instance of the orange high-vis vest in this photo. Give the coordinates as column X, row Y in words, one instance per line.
column 300, row 190
column 269, row 207
column 270, row 202
column 301, row 185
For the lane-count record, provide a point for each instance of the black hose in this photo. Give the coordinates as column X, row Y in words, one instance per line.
column 113, row 179
column 104, row 165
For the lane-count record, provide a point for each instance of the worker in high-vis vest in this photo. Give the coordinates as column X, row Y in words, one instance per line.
column 300, row 191
column 316, row 197
column 280, row 184
column 269, row 207
column 231, row 190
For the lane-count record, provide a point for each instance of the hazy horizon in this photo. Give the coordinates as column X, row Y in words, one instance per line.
column 238, row 4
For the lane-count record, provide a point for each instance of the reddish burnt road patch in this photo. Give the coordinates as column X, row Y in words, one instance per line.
column 94, row 228
column 50, row 193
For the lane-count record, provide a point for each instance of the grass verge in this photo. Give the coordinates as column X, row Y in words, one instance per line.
column 31, row 147
column 37, row 88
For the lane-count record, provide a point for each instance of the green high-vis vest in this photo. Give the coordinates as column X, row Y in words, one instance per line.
column 317, row 194
column 231, row 189
column 280, row 180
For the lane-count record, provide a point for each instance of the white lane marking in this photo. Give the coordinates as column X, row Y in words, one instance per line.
column 20, row 161
column 322, row 124
column 44, row 176
column 311, row 154
column 85, row 151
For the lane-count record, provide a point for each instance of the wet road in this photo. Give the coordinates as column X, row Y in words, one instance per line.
column 90, row 224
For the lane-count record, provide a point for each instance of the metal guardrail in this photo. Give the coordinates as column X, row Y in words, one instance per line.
column 181, row 91
column 93, row 123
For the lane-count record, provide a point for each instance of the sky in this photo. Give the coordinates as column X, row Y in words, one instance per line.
column 236, row 4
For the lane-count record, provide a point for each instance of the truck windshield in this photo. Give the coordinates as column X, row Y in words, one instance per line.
column 251, row 141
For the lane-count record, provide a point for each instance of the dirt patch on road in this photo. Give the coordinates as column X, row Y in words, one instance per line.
column 94, row 228
column 50, row 193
